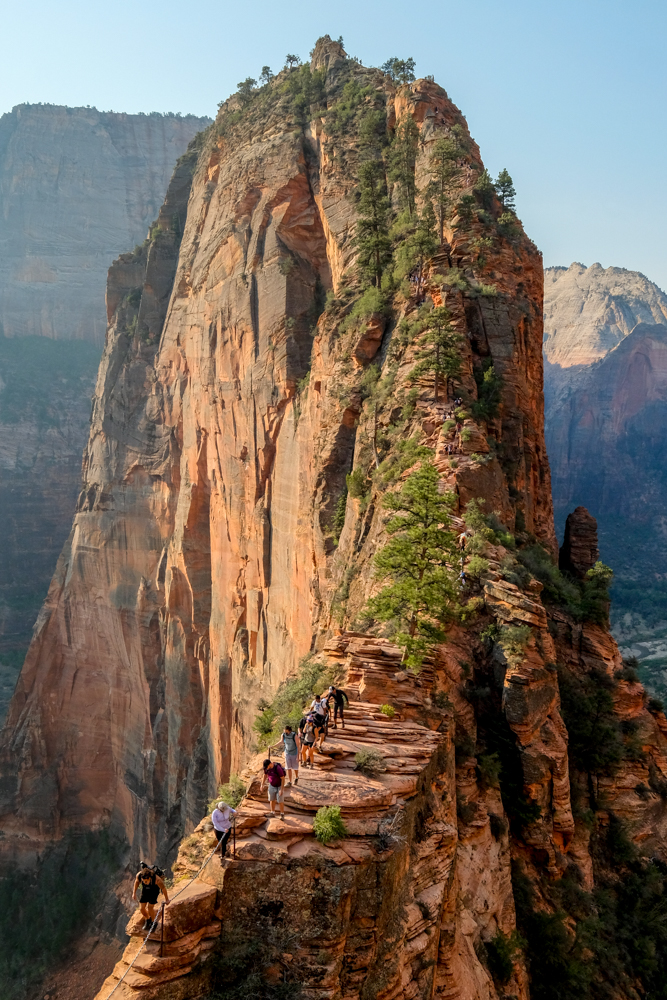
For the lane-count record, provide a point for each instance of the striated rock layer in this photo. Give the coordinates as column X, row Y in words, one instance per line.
column 209, row 555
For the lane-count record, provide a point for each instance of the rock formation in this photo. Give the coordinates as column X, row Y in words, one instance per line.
column 579, row 551
column 77, row 186
column 219, row 549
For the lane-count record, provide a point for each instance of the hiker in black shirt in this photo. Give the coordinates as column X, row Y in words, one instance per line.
column 151, row 885
column 339, row 699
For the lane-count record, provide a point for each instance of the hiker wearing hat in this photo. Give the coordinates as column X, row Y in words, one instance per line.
column 274, row 774
column 151, row 884
column 339, row 699
column 222, row 818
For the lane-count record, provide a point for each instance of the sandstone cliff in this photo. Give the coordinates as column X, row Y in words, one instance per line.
column 215, row 546
column 77, row 186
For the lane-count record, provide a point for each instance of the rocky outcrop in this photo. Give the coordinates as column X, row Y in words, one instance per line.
column 606, row 453
column 579, row 551
column 380, row 905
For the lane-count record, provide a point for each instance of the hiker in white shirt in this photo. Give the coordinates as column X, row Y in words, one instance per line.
column 222, row 818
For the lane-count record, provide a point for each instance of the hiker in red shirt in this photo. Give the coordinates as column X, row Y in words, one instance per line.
column 274, row 773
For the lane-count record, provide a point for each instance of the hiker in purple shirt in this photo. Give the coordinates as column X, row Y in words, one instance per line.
column 274, row 774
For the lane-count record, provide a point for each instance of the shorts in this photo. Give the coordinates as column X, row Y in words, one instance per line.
column 275, row 793
column 307, row 746
column 149, row 894
column 291, row 761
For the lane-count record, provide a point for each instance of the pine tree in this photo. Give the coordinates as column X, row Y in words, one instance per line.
column 415, row 250
column 400, row 70
column 372, row 232
column 402, row 161
column 444, row 171
column 439, row 354
column 245, row 89
column 505, row 190
column 266, row 76
column 420, row 597
column 291, row 61
column 485, row 190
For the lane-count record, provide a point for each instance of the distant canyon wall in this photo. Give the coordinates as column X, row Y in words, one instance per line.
column 605, row 346
column 76, row 187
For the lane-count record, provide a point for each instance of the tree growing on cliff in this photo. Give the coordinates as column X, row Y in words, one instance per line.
column 372, row 232
column 420, row 596
column 439, row 350
column 505, row 190
column 402, row 161
column 400, row 70
column 291, row 61
column 444, row 171
column 266, row 76
column 416, row 249
column 485, row 190
column 245, row 89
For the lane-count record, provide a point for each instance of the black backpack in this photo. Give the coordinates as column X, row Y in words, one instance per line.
column 151, row 868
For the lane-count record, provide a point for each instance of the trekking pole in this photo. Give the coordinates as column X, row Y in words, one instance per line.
column 234, row 838
column 162, row 933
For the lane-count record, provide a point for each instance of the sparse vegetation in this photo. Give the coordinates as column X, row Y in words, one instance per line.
column 328, row 824
column 420, row 596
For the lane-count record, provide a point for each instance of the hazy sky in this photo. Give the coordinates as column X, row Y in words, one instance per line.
column 570, row 96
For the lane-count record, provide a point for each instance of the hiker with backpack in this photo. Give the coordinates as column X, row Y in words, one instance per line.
column 222, row 818
column 274, row 774
column 308, row 733
column 149, row 879
column 339, row 699
column 291, row 745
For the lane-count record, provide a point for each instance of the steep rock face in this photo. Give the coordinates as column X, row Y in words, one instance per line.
column 76, row 187
column 208, row 556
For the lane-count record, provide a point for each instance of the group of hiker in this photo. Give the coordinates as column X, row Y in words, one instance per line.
column 299, row 746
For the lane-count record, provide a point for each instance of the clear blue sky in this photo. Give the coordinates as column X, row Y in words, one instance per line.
column 570, row 96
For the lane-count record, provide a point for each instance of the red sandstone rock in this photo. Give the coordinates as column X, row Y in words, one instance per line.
column 579, row 551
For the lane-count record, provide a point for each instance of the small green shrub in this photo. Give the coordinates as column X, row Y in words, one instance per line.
column 513, row 640
column 500, row 952
column 357, row 483
column 488, row 769
column 388, row 710
column 477, row 567
column 328, row 824
column 370, row 762
column 231, row 792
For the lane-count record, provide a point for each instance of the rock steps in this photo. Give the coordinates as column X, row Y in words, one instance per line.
column 367, row 802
